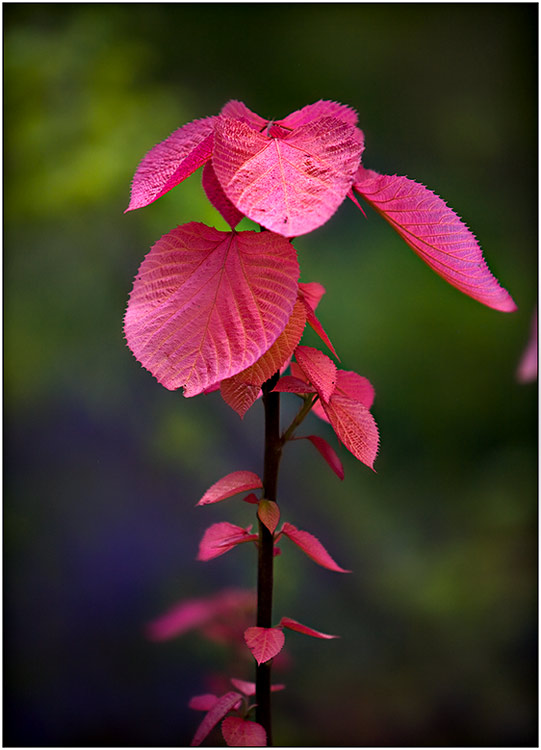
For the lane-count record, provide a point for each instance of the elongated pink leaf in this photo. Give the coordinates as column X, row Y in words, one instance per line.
column 207, row 304
column 248, row 688
column 238, row 732
column 203, row 702
column 290, row 184
column 317, row 110
column 218, row 198
column 238, row 395
column 264, row 643
column 216, row 713
column 354, row 426
column 311, row 294
column 239, row 111
column 312, row 547
column 220, row 538
column 232, row 484
column 171, row 161
column 328, row 453
column 287, row 622
column 269, row 514
column 318, row 370
column 289, row 384
column 435, row 233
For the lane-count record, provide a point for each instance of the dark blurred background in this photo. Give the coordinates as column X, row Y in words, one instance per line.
column 103, row 466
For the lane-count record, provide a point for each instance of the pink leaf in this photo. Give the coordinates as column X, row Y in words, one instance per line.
column 269, row 514
column 318, row 369
column 352, row 385
column 251, row 498
column 320, row 109
column 289, row 384
column 287, row 622
column 264, row 643
column 238, row 732
column 171, row 161
column 239, row 111
column 203, row 702
column 328, row 453
column 220, row 538
column 290, row 184
column 312, row 547
column 238, row 395
column 354, row 426
column 207, row 304
column 435, row 233
column 218, row 198
column 232, row 484
column 311, row 292
column 527, row 368
column 248, row 688
column 216, row 713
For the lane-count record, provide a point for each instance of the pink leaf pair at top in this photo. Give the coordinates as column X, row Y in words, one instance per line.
column 435, row 233
column 222, row 537
column 207, row 304
column 266, row 643
column 289, row 175
column 312, row 547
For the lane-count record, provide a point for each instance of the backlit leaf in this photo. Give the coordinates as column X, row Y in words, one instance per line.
column 328, row 453
column 289, row 184
column 264, row 643
column 218, row 198
column 269, row 514
column 171, row 161
column 220, row 538
column 232, row 484
column 435, row 233
column 216, row 713
column 312, row 547
column 287, row 622
column 318, row 370
column 207, row 304
column 238, row 395
column 354, row 426
column 238, row 732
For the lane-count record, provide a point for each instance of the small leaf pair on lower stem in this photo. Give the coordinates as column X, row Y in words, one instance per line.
column 266, row 643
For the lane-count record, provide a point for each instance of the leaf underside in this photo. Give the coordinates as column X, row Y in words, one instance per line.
column 221, row 537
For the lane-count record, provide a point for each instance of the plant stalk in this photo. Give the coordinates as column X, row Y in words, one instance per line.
column 273, row 453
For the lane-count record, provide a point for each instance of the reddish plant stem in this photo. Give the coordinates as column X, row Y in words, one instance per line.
column 273, row 453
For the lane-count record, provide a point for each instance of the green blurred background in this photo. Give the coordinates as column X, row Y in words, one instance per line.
column 103, row 467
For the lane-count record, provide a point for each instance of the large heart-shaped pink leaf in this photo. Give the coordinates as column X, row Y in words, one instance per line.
column 264, row 643
column 238, row 732
column 312, row 547
column 207, row 304
column 435, row 233
column 220, row 538
column 218, row 198
column 290, row 184
column 171, row 161
column 287, row 622
column 318, row 369
column 354, row 426
column 216, row 713
column 232, row 484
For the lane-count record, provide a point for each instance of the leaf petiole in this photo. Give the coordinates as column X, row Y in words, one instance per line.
column 301, row 414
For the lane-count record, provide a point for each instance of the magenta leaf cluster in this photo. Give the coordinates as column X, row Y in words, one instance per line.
column 225, row 311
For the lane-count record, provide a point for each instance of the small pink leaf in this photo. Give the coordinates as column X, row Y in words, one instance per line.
column 251, row 498
column 238, row 395
column 328, row 453
column 354, row 426
column 171, row 161
column 287, row 622
column 238, row 732
column 220, row 538
column 207, row 304
column 289, row 384
column 290, row 184
column 318, row 369
column 232, row 484
column 248, row 688
column 216, row 713
column 312, row 547
column 320, row 109
column 203, row 702
column 435, row 233
column 218, row 198
column 269, row 514
column 264, row 643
